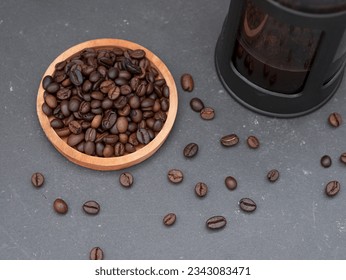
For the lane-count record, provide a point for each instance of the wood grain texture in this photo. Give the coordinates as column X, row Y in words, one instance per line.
column 113, row 163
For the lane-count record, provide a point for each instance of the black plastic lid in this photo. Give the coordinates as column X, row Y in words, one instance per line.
column 315, row 6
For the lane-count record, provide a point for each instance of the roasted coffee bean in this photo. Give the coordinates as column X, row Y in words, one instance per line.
column 137, row 54
column 187, row 82
column 273, row 175
column 73, row 105
column 119, row 149
column 56, row 123
column 122, row 124
column 75, row 127
column 90, row 134
column 96, row 122
column 107, row 103
column 201, row 189
column 96, row 253
column 53, row 87
column 326, row 161
column 132, row 68
column 80, row 147
column 231, row 183
column 87, row 86
column 207, row 113
column 91, row 207
column 75, row 139
column 114, row 93
column 126, row 179
column 63, row 132
column 143, row 136
column 124, row 74
column 51, row 101
column 76, row 77
column 169, row 219
column 229, row 140
column 125, row 89
column 99, row 149
column 216, row 222
column 125, row 111
column 84, row 107
column 89, row 148
column 64, row 108
column 247, row 205
column 157, row 125
column 343, row 158
column 112, row 73
column 60, row 206
column 196, row 104
column 120, row 102
column 37, row 179
column 253, row 142
column 108, row 151
column 165, row 91
column 105, row 86
column 63, row 93
column 332, row 188
column 108, row 120
column 164, row 104
column 110, row 139
column 175, row 176
column 130, row 148
column 94, row 76
column 46, row 109
column 47, row 80
column 335, row 119
column 97, row 95
column 190, row 150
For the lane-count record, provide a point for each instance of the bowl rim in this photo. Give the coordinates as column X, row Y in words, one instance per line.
column 111, row 163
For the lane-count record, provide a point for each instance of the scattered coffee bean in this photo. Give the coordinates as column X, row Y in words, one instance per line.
column 332, row 188
column 201, row 189
column 229, row 140
column 37, row 179
column 207, row 113
column 335, row 119
column 91, row 207
column 231, row 183
column 126, row 179
column 247, row 205
column 273, row 175
column 96, row 253
column 175, row 176
column 190, row 150
column 253, row 142
column 326, row 161
column 169, row 219
column 60, row 206
column 343, row 158
column 196, row 104
column 216, row 222
column 187, row 82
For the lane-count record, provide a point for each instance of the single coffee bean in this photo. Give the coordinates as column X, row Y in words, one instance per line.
column 53, row 87
column 112, row 73
column 108, row 151
column 91, row 207
column 207, row 113
column 37, row 179
column 63, row 93
column 216, row 222
column 47, row 80
column 196, row 104
column 253, row 142
column 122, row 124
column 335, row 119
column 201, row 189
column 231, row 183
column 74, row 104
column 76, row 77
column 108, row 120
column 343, row 158
column 273, row 175
column 46, row 109
column 143, row 136
column 90, row 134
column 187, row 82
column 63, row 132
column 89, row 148
column 119, row 149
column 75, row 127
column 51, row 101
column 137, row 54
column 326, row 161
column 56, row 123
column 247, row 205
column 169, row 219
column 190, row 150
column 96, row 253
column 126, row 179
column 175, row 176
column 75, row 139
column 332, row 188
column 229, row 140
column 60, row 206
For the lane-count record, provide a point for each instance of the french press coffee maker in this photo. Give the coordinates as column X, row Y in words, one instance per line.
column 282, row 58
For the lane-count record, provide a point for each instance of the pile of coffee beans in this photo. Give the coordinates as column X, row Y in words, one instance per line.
column 106, row 102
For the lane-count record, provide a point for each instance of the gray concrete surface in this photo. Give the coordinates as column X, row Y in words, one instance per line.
column 294, row 218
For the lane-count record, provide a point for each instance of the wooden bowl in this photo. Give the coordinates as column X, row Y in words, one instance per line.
column 112, row 163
